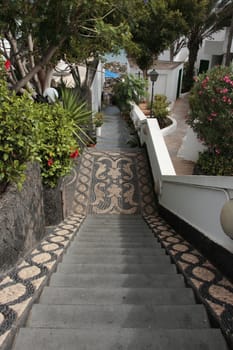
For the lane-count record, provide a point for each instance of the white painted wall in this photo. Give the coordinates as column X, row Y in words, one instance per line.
column 191, row 146
column 97, row 88
column 198, row 200
column 216, row 45
column 166, row 83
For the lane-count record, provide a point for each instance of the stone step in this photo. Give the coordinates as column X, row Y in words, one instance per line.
column 164, row 268
column 116, row 280
column 75, row 249
column 117, row 225
column 114, row 259
column 119, row 316
column 109, row 221
column 115, row 233
column 101, row 225
column 115, row 339
column 113, row 217
column 111, row 296
column 112, row 244
column 109, row 239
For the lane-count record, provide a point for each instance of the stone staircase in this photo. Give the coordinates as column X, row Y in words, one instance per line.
column 117, row 289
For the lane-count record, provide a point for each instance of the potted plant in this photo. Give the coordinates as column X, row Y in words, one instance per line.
column 160, row 110
column 98, row 121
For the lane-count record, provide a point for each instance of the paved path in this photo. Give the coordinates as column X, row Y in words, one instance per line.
column 115, row 132
column 174, row 140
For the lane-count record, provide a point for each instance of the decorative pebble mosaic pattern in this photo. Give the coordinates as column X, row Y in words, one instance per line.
column 114, row 183
column 213, row 289
column 22, row 285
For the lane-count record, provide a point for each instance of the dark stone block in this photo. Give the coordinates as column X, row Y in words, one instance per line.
column 22, row 222
column 53, row 204
column 217, row 255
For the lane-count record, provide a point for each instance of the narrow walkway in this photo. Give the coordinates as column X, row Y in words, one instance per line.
column 174, row 140
column 114, row 179
column 115, row 133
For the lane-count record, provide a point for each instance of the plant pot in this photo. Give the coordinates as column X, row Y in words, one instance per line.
column 98, row 131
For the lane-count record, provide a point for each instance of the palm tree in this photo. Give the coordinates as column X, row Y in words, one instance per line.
column 230, row 36
column 212, row 18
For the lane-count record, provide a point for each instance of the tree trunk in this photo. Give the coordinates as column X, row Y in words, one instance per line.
column 18, row 59
column 172, row 51
column 194, row 43
column 32, row 62
column 229, row 43
column 45, row 59
column 48, row 77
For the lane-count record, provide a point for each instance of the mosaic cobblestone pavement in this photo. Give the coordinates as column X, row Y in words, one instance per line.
column 21, row 286
column 210, row 286
column 114, row 183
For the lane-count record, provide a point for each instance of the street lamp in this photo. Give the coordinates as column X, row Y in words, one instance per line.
column 153, row 77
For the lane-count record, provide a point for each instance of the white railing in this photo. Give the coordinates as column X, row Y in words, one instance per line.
column 197, row 200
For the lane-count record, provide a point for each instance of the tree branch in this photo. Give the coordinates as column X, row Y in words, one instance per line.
column 46, row 58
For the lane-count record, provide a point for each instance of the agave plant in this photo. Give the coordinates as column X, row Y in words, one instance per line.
column 78, row 111
column 77, row 108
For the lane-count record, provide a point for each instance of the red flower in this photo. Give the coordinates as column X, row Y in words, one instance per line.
column 50, row 162
column 7, row 64
column 74, row 154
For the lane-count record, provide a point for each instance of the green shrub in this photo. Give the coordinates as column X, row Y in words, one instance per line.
column 98, row 119
column 211, row 114
column 160, row 106
column 55, row 142
column 34, row 132
column 17, row 138
column 129, row 89
column 160, row 110
column 208, row 163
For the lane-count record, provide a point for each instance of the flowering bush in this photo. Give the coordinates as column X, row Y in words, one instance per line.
column 31, row 131
column 211, row 115
column 56, row 145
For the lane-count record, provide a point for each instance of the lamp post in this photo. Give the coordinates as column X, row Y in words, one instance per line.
column 153, row 77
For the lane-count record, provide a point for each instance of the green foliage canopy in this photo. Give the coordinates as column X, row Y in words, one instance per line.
column 41, row 31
